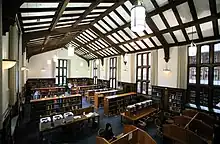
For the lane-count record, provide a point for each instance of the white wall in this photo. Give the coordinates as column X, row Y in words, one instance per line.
column 37, row 62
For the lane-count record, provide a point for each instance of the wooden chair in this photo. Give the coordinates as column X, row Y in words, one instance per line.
column 158, row 125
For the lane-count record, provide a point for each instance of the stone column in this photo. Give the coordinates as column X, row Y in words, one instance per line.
column 13, row 72
column 154, row 67
column 1, row 112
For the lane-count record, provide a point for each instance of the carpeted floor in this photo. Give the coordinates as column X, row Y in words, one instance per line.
column 27, row 132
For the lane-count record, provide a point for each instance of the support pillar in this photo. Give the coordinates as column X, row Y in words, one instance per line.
column 1, row 102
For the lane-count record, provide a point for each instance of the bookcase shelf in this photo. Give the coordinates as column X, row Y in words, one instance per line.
column 117, row 103
column 48, row 106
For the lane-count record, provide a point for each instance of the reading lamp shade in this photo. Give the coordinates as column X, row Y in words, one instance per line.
column 138, row 18
column 192, row 49
column 7, row 64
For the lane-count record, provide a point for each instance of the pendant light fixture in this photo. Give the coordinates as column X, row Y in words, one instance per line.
column 70, row 50
column 125, row 58
column 138, row 15
column 7, row 64
column 166, row 70
column 192, row 47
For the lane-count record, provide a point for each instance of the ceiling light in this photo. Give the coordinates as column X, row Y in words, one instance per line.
column 125, row 58
column 138, row 16
column 7, row 64
column 166, row 70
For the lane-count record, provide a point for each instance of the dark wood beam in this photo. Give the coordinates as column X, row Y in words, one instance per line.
column 84, row 46
column 73, row 1
column 108, row 40
column 212, row 5
column 195, row 18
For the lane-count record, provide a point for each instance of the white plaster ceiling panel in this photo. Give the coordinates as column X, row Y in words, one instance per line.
column 90, row 33
column 192, row 33
column 79, row 40
column 129, row 47
column 219, row 26
column 148, row 5
column 218, row 5
column 90, row 47
column 202, row 8
column 170, row 17
column 88, row 36
column 123, row 35
column 92, row 15
column 113, row 50
column 97, row 46
column 40, row 25
column 39, row 5
column 168, row 38
column 116, row 18
column 72, row 4
column 98, row 43
column 109, row 52
column 84, row 37
column 134, row 46
column 104, row 25
column 63, row 26
column 110, row 22
column 141, row 44
column 104, row 52
column 123, row 48
column 140, row 33
column 98, row 10
column 147, row 29
column 148, row 42
column 112, row 39
column 102, row 42
column 130, row 33
column 83, row 40
column 100, row 54
column 99, row 28
column 184, row 12
column 37, row 14
column 207, row 29
column 69, row 18
column 162, row 2
column 84, row 23
column 159, row 22
column 128, row 5
column 179, row 36
column 105, row 4
column 74, row 12
column 35, row 21
column 86, row 20
column 118, row 37
column 67, row 22
column 155, row 39
column 123, row 13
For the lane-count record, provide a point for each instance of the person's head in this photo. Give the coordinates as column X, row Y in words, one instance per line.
column 108, row 126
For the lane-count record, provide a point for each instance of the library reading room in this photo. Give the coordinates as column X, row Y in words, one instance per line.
column 110, row 71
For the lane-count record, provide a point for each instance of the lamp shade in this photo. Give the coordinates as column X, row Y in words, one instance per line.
column 192, row 49
column 125, row 58
column 7, row 64
column 70, row 51
column 138, row 18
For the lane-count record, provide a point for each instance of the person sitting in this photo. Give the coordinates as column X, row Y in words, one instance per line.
column 108, row 134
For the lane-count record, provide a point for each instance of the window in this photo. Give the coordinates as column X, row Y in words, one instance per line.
column 95, row 72
column 61, row 72
column 204, row 75
column 112, row 76
column 143, row 73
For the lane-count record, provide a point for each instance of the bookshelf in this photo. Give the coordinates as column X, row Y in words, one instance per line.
column 41, row 83
column 175, row 99
column 157, row 95
column 117, row 103
column 47, row 106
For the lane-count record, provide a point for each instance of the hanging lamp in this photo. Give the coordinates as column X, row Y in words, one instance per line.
column 138, row 16
column 192, row 47
column 7, row 64
column 166, row 70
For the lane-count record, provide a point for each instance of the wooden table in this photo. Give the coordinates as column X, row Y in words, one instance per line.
column 141, row 114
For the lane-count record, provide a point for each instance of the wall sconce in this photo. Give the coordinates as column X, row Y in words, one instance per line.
column 125, row 59
column 23, row 68
column 166, row 70
column 7, row 64
column 43, row 70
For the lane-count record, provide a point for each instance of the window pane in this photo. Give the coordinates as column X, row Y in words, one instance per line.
column 144, row 59
column 56, row 64
column 216, row 98
column 139, row 73
column 65, row 63
column 139, row 60
column 149, row 74
column 114, row 61
column 56, row 82
column 139, row 87
column 192, row 55
column 204, row 75
column 113, row 83
column 149, row 59
column 216, row 80
column 61, row 73
column 192, row 75
column 149, row 89
column 111, row 62
column 114, row 71
column 61, row 81
column 56, row 71
column 217, row 53
column 61, row 63
column 64, row 72
column 145, row 74
column 205, row 54
column 144, row 88
column 64, row 80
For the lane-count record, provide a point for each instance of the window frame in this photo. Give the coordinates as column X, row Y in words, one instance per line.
column 112, row 75
column 58, row 68
column 95, row 73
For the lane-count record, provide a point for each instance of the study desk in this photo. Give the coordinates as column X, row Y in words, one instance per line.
column 139, row 115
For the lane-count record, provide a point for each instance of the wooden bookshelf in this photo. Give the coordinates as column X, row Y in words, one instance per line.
column 99, row 97
column 47, row 106
column 47, row 91
column 117, row 103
